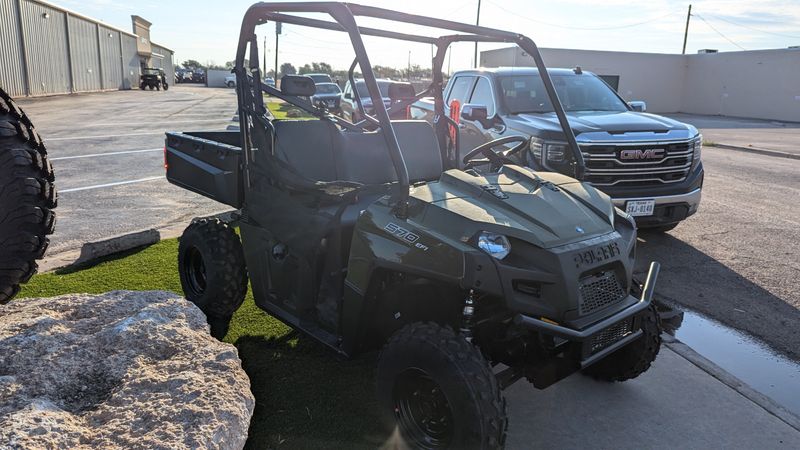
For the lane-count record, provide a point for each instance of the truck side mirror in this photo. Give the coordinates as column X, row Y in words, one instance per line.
column 638, row 105
column 474, row 112
column 348, row 96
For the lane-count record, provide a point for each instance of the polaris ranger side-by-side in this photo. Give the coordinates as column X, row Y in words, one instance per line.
column 650, row 165
column 468, row 274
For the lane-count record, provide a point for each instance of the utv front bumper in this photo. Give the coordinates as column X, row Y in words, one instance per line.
column 593, row 343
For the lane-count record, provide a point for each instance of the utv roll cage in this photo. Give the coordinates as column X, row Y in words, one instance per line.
column 253, row 110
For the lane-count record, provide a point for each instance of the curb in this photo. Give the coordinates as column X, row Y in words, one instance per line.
column 760, row 151
column 92, row 251
column 731, row 381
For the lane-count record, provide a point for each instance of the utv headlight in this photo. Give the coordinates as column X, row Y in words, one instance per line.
column 496, row 245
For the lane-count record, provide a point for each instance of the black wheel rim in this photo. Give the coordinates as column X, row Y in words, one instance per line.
column 422, row 410
column 195, row 270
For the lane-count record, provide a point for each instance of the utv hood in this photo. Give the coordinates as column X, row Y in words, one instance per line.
column 545, row 209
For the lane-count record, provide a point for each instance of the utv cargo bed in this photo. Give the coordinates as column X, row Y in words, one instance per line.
column 206, row 162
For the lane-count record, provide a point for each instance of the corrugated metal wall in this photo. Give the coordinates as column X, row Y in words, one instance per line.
column 111, row 55
column 45, row 33
column 12, row 71
column 46, row 50
column 162, row 58
column 84, row 54
column 130, row 59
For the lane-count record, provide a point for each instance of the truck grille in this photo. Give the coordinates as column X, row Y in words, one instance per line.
column 598, row 291
column 610, row 335
column 643, row 163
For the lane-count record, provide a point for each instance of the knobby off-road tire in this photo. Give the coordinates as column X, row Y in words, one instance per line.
column 436, row 390
column 213, row 271
column 27, row 198
column 635, row 358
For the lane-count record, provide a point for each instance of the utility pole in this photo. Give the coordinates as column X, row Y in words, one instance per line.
column 477, row 23
column 277, row 33
column 408, row 69
column 686, row 32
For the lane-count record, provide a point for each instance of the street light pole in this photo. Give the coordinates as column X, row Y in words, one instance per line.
column 477, row 23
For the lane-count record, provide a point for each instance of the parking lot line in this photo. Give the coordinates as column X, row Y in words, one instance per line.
column 118, row 183
column 92, row 155
column 75, row 138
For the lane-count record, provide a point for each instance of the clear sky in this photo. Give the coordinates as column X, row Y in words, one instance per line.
column 207, row 30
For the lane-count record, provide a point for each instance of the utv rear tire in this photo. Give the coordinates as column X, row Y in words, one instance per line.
column 436, row 390
column 635, row 358
column 212, row 270
column 27, row 198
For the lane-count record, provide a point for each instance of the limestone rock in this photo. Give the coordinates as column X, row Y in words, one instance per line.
column 118, row 370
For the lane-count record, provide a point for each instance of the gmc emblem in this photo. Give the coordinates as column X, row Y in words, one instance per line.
column 650, row 153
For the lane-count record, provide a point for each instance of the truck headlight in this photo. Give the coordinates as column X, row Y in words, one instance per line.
column 494, row 244
column 697, row 148
column 555, row 152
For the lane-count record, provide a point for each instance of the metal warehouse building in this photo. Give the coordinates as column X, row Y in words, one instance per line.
column 46, row 49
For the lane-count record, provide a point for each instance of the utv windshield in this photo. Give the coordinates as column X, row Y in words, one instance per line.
column 526, row 94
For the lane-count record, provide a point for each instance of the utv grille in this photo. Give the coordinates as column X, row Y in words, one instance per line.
column 610, row 335
column 598, row 291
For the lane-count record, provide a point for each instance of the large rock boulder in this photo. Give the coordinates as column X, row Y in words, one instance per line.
column 118, row 370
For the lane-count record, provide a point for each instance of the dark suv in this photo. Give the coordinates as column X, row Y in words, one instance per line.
column 650, row 165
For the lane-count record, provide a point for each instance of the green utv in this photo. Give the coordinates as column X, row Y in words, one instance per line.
column 367, row 236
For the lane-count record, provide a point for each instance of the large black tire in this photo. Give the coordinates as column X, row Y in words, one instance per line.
column 213, row 271
column 635, row 358
column 27, row 198
column 436, row 390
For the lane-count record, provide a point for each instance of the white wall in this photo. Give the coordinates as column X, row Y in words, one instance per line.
column 761, row 84
column 216, row 78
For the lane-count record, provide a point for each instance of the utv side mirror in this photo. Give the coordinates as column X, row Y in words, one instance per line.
column 638, row 105
column 298, row 85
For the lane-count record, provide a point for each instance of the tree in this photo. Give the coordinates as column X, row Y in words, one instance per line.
column 191, row 64
column 305, row 68
column 231, row 64
column 287, row 69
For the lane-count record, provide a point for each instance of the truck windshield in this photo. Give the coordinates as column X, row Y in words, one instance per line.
column 328, row 88
column 383, row 85
column 526, row 94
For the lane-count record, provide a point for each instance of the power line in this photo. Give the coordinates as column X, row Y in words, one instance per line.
column 753, row 28
column 717, row 31
column 618, row 27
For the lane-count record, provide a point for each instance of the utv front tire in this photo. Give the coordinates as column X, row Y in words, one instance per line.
column 27, row 198
column 212, row 270
column 635, row 358
column 437, row 391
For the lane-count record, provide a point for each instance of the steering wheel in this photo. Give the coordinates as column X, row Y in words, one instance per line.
column 496, row 159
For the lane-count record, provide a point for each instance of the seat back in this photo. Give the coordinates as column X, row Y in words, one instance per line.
column 319, row 150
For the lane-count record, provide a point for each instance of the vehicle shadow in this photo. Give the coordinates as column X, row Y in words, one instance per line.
column 698, row 281
column 307, row 397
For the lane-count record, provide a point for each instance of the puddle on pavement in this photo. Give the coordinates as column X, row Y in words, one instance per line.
column 744, row 357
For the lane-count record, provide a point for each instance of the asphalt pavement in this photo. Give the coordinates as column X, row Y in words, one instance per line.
column 107, row 151
column 747, row 133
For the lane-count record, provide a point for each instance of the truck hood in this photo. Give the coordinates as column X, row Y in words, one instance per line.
column 542, row 208
column 598, row 121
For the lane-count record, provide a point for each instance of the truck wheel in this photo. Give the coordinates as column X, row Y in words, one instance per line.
column 27, row 198
column 213, row 271
column 635, row 358
column 231, row 84
column 437, row 391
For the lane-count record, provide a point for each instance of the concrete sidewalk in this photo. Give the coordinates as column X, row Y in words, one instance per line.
column 746, row 133
column 676, row 404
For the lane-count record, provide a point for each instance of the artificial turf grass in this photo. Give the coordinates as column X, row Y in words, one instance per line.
column 306, row 396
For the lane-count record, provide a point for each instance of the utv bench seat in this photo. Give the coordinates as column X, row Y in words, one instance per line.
column 319, row 150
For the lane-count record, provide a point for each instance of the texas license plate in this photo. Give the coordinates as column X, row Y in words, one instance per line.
column 640, row 207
